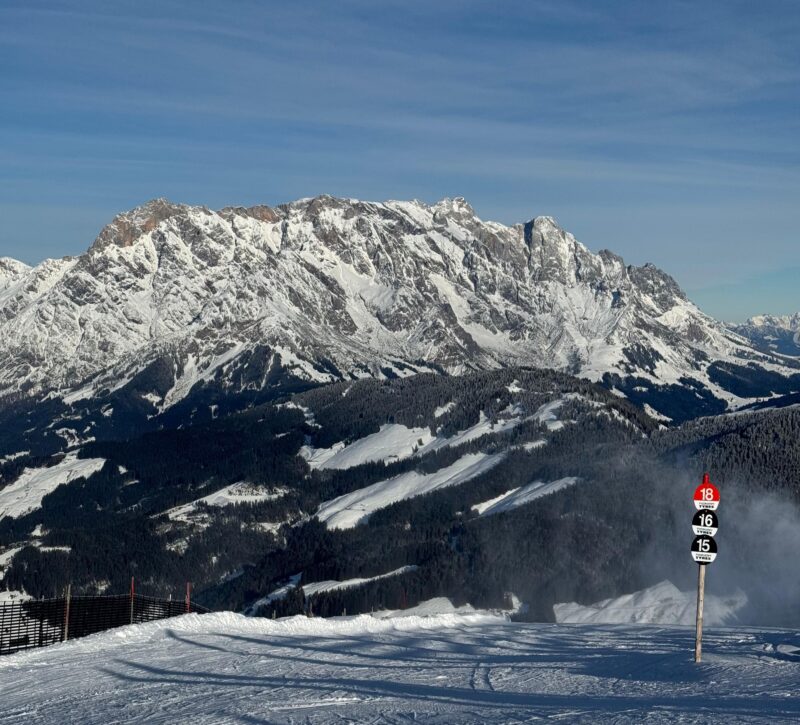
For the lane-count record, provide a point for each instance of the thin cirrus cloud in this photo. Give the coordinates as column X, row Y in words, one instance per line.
column 667, row 132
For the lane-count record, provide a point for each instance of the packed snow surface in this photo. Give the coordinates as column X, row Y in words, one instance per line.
column 354, row 508
column 663, row 603
column 26, row 493
column 444, row 669
column 520, row 496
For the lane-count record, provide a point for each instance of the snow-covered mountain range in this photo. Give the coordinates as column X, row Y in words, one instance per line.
column 775, row 333
column 172, row 299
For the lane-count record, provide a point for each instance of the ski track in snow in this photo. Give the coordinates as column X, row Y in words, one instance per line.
column 225, row 668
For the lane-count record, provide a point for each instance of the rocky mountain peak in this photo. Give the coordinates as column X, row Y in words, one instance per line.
column 556, row 254
column 456, row 208
column 259, row 212
column 129, row 226
column 328, row 288
column 787, row 322
column 11, row 270
column 778, row 333
column 657, row 284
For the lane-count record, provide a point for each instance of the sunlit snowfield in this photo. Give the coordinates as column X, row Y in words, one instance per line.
column 442, row 669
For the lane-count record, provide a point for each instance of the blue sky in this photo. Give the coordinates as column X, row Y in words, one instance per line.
column 668, row 132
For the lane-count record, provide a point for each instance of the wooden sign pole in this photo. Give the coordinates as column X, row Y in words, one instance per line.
column 701, row 592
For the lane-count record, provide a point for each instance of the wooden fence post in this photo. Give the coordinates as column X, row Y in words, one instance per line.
column 188, row 597
column 41, row 622
column 133, row 594
column 67, row 597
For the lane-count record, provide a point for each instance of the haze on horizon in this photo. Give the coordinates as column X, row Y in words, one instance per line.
column 666, row 133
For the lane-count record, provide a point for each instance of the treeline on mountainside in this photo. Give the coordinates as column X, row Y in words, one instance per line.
column 351, row 410
column 589, row 549
column 426, row 531
column 751, row 381
column 111, row 521
column 102, row 559
column 680, row 401
column 256, row 378
column 581, row 543
column 759, row 448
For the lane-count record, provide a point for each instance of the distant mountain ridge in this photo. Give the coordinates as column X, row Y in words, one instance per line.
column 173, row 301
column 774, row 333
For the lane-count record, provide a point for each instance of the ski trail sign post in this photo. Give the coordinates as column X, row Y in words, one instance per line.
column 704, row 548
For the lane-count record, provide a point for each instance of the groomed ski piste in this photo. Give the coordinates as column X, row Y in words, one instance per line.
column 431, row 665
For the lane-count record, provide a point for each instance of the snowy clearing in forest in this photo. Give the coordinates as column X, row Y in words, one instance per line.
column 26, row 493
column 236, row 493
column 13, row 456
column 394, row 442
column 449, row 668
column 6, row 557
column 520, row 496
column 354, row 508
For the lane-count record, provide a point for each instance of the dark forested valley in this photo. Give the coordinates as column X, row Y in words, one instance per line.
column 150, row 510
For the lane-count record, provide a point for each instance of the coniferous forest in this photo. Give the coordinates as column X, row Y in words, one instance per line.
column 587, row 541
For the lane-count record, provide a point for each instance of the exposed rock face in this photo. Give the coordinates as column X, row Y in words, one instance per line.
column 330, row 288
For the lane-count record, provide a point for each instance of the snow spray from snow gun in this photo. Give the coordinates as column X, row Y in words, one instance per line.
column 704, row 549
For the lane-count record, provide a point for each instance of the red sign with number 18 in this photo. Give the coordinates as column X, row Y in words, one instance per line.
column 706, row 495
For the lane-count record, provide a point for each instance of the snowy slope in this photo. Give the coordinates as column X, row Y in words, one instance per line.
column 235, row 493
column 517, row 497
column 5, row 559
column 429, row 608
column 662, row 603
column 392, row 443
column 172, row 298
column 395, row 442
column 224, row 668
column 354, row 508
column 312, row 588
column 26, row 493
